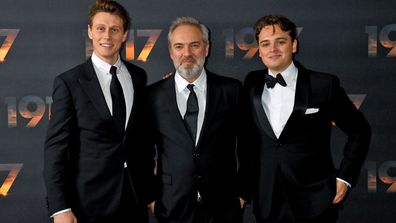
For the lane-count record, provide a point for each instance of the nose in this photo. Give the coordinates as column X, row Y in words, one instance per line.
column 187, row 51
column 107, row 34
column 273, row 47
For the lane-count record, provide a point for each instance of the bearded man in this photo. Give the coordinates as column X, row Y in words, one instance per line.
column 192, row 117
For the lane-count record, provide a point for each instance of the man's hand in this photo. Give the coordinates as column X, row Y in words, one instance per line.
column 66, row 217
column 342, row 190
column 151, row 206
column 242, row 202
column 168, row 75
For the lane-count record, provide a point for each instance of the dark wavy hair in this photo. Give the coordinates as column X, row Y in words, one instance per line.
column 270, row 20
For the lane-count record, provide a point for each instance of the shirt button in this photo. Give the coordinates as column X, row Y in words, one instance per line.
column 196, row 155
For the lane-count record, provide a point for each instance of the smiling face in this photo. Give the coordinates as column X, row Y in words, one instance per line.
column 276, row 48
column 107, row 35
column 188, row 51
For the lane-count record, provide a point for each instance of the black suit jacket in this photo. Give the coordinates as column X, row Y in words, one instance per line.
column 210, row 167
column 85, row 153
column 300, row 159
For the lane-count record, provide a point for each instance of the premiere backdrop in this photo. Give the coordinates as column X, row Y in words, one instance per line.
column 353, row 39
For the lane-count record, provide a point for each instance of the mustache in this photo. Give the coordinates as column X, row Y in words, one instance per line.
column 187, row 58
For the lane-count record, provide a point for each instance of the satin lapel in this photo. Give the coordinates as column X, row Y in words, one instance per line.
column 212, row 101
column 177, row 118
column 91, row 86
column 137, row 91
column 259, row 110
column 300, row 102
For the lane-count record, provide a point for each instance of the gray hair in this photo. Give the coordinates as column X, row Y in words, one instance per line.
column 188, row 21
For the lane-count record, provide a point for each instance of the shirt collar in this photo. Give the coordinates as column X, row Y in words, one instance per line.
column 289, row 74
column 199, row 83
column 104, row 65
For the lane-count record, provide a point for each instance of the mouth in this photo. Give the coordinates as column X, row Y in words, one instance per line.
column 274, row 57
column 106, row 44
column 188, row 61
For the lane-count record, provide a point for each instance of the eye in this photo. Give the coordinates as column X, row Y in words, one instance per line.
column 178, row 47
column 195, row 45
column 115, row 30
column 264, row 44
column 101, row 28
column 281, row 42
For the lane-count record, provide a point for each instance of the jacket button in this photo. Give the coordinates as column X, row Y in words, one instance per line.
column 197, row 177
column 196, row 155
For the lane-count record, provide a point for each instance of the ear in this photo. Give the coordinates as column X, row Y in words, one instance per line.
column 207, row 50
column 89, row 32
column 295, row 46
column 125, row 35
column 260, row 54
column 170, row 52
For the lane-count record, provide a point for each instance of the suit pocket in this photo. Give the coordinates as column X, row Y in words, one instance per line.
column 166, row 178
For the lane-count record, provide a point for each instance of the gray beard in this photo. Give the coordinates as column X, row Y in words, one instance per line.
column 189, row 73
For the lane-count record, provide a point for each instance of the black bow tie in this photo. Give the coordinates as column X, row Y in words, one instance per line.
column 271, row 81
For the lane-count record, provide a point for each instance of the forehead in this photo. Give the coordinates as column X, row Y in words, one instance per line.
column 272, row 31
column 186, row 33
column 107, row 18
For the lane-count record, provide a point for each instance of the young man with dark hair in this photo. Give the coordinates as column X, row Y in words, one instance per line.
column 286, row 164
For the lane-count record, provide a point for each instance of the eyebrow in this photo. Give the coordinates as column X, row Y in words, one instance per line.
column 279, row 38
column 194, row 42
column 103, row 24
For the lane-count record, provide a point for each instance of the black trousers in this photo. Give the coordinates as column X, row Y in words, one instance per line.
column 202, row 214
column 329, row 216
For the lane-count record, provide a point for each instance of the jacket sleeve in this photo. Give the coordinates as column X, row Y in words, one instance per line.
column 57, row 145
column 248, row 143
column 351, row 121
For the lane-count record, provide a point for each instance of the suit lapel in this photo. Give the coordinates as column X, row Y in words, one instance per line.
column 212, row 101
column 258, row 107
column 177, row 118
column 300, row 101
column 91, row 86
column 137, row 91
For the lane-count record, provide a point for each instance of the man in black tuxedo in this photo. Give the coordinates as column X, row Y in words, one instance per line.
column 94, row 168
column 192, row 116
column 287, row 165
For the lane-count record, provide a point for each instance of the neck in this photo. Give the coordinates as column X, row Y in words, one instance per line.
column 278, row 71
column 109, row 60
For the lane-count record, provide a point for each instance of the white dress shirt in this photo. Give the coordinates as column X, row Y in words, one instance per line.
column 278, row 102
column 182, row 94
column 102, row 70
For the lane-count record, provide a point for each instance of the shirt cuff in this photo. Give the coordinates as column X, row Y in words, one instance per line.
column 60, row 212
column 346, row 183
